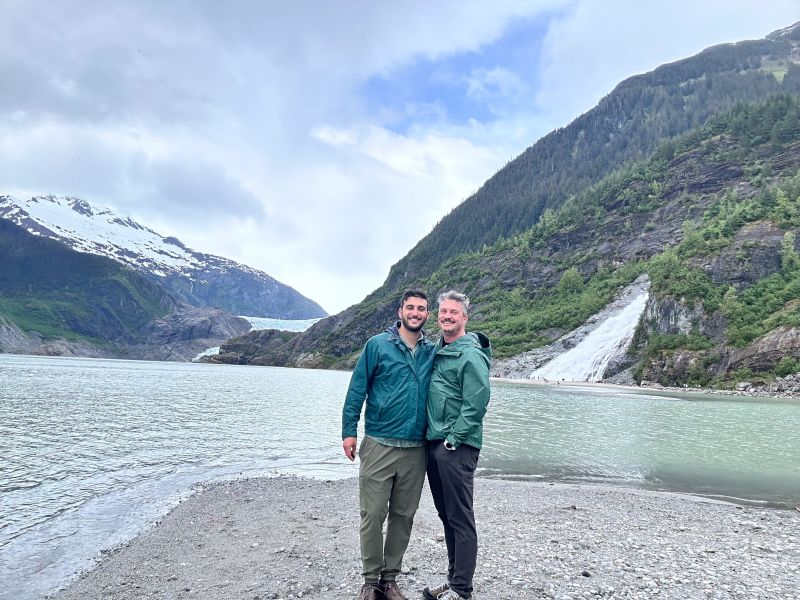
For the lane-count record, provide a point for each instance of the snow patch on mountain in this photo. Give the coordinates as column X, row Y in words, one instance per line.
column 196, row 278
column 99, row 230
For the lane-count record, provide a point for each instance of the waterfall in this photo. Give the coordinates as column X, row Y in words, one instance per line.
column 588, row 360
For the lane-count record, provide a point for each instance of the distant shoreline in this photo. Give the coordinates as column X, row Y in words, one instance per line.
column 657, row 390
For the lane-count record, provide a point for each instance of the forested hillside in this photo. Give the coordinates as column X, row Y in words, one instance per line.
column 55, row 291
column 626, row 125
column 54, row 300
column 688, row 174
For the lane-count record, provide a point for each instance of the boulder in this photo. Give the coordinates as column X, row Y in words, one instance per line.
column 765, row 352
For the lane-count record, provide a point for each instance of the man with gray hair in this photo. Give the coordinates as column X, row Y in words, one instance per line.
column 457, row 401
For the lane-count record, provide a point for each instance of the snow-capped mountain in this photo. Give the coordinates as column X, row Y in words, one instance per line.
column 197, row 278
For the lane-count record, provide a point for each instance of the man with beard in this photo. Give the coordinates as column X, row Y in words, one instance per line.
column 392, row 375
column 457, row 401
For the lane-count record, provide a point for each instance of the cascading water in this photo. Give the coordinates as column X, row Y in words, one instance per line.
column 589, row 359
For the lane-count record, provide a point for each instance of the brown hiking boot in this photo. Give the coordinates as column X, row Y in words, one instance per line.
column 370, row 591
column 392, row 591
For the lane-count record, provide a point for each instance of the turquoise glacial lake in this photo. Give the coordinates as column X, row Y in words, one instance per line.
column 92, row 451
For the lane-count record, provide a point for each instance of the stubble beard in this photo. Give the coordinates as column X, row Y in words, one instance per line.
column 412, row 328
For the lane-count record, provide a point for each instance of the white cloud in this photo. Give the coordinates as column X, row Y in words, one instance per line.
column 490, row 84
column 595, row 45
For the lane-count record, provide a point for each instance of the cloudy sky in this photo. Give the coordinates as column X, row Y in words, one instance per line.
column 316, row 140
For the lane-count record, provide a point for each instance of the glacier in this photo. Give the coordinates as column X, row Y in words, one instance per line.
column 259, row 323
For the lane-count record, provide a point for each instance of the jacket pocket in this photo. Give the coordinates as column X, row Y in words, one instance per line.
column 439, row 413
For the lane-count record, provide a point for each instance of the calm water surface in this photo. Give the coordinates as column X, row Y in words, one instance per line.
column 91, row 451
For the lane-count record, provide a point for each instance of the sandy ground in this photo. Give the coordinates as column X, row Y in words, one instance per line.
column 298, row 538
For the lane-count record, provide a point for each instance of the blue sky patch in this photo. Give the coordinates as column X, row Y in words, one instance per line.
column 481, row 85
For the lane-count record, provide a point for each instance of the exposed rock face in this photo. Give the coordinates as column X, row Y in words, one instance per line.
column 185, row 333
column 234, row 351
column 522, row 365
column 668, row 316
column 676, row 367
column 191, row 323
column 672, row 317
column 602, row 140
column 753, row 255
column 180, row 336
column 786, row 385
column 341, row 336
column 622, row 378
column 240, row 290
column 14, row 340
column 764, row 353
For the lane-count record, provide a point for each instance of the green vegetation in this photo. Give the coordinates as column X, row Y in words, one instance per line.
column 660, row 341
column 627, row 125
column 710, row 144
column 670, row 276
column 50, row 289
column 787, row 366
column 518, row 317
column 770, row 303
column 42, row 316
column 516, row 322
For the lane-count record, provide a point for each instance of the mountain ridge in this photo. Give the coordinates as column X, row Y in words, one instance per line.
column 197, row 278
column 671, row 99
column 686, row 216
column 57, row 301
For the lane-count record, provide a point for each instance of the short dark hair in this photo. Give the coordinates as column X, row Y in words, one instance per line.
column 413, row 293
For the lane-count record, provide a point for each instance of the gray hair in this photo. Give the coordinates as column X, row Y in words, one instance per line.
column 457, row 296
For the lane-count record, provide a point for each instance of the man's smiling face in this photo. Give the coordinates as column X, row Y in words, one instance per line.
column 414, row 313
column 452, row 319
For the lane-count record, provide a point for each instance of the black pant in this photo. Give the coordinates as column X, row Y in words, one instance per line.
column 451, row 475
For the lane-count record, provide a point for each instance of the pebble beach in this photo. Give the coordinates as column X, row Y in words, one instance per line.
column 290, row 537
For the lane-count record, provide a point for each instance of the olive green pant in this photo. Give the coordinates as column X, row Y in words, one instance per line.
column 389, row 484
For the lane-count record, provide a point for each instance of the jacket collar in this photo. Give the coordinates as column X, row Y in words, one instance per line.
column 394, row 333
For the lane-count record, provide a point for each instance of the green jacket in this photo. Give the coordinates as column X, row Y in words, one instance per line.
column 394, row 384
column 459, row 392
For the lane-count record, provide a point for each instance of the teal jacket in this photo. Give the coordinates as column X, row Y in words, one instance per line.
column 459, row 391
column 394, row 383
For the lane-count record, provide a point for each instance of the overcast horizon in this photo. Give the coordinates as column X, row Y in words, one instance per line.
column 316, row 141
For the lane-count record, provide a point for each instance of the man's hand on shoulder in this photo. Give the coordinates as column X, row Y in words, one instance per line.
column 349, row 445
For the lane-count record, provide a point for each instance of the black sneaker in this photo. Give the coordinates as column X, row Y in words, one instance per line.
column 434, row 593
column 452, row 595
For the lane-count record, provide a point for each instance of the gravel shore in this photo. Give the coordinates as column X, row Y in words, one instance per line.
column 655, row 389
column 293, row 538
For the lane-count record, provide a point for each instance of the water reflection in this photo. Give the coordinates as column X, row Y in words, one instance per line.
column 746, row 449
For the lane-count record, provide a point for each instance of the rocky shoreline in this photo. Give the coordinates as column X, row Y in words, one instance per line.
column 782, row 388
column 288, row 538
